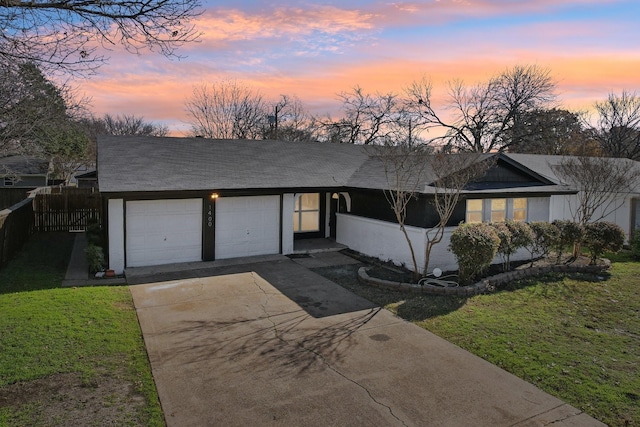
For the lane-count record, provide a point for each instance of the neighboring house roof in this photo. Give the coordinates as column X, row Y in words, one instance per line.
column 546, row 165
column 88, row 175
column 23, row 165
column 148, row 164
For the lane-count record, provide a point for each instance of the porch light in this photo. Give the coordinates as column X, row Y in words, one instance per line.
column 214, row 196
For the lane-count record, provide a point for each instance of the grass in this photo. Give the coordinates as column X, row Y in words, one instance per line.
column 576, row 337
column 47, row 330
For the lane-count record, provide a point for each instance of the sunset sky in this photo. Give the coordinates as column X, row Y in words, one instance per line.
column 315, row 50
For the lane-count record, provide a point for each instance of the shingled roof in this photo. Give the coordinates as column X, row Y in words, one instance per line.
column 23, row 165
column 150, row 164
column 137, row 163
column 546, row 165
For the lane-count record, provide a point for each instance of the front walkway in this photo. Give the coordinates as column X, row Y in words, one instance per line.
column 309, row 246
column 272, row 343
column 78, row 269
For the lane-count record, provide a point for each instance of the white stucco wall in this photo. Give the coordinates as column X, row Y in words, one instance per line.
column 116, row 235
column 564, row 207
column 380, row 239
column 385, row 240
column 538, row 209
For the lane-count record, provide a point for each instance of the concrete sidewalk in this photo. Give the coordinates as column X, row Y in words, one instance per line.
column 272, row 343
column 78, row 268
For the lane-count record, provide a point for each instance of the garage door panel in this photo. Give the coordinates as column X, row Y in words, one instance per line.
column 247, row 226
column 163, row 231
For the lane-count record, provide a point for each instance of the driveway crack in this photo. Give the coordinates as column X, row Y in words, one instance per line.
column 356, row 383
column 274, row 326
column 321, row 357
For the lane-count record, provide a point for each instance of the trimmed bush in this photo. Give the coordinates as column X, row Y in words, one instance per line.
column 513, row 236
column 474, row 246
column 544, row 236
column 570, row 235
column 601, row 237
column 95, row 258
column 504, row 248
column 94, row 234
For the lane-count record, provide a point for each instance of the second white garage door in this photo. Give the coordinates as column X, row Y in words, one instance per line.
column 163, row 231
column 247, row 226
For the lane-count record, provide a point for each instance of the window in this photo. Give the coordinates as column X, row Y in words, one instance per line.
column 519, row 209
column 9, row 181
column 474, row 210
column 498, row 210
column 306, row 215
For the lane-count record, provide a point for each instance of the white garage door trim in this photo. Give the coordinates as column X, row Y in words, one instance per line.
column 247, row 226
column 163, row 231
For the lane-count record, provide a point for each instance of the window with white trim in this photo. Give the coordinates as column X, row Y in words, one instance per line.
column 520, row 209
column 474, row 210
column 306, row 215
column 498, row 210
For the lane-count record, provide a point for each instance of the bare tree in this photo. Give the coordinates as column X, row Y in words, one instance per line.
column 414, row 170
column 602, row 184
column 289, row 120
column 67, row 34
column 404, row 167
column 367, row 118
column 618, row 125
column 226, row 109
column 130, row 124
column 370, row 119
column 483, row 115
column 450, row 174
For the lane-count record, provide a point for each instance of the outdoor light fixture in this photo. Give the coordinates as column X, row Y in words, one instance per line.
column 214, row 196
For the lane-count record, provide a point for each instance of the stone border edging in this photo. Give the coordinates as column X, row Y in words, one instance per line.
column 488, row 284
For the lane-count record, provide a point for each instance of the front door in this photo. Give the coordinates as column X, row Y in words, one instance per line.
column 338, row 204
column 333, row 219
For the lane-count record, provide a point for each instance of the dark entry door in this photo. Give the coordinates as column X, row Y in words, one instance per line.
column 333, row 209
column 337, row 204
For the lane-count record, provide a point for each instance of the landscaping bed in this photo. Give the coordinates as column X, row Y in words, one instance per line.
column 574, row 335
column 394, row 279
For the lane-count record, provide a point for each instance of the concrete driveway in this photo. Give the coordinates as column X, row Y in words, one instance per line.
column 273, row 343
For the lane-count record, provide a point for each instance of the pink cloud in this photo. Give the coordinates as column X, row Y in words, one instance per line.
column 277, row 52
column 228, row 25
column 581, row 81
column 443, row 11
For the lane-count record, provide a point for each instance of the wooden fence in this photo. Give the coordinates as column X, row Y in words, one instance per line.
column 16, row 225
column 67, row 209
column 11, row 196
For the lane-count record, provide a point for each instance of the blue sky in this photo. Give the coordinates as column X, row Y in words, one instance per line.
column 314, row 50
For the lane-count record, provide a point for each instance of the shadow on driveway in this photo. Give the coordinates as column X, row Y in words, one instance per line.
column 274, row 344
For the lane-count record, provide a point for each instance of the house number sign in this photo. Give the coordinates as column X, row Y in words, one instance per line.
column 210, row 216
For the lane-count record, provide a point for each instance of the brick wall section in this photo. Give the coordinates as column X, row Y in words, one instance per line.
column 486, row 285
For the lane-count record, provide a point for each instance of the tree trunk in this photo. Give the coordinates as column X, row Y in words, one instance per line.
column 416, row 275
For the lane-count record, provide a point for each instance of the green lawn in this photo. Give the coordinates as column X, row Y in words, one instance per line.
column 88, row 335
column 577, row 338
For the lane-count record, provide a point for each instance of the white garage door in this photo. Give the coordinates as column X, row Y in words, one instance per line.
column 163, row 231
column 247, row 226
